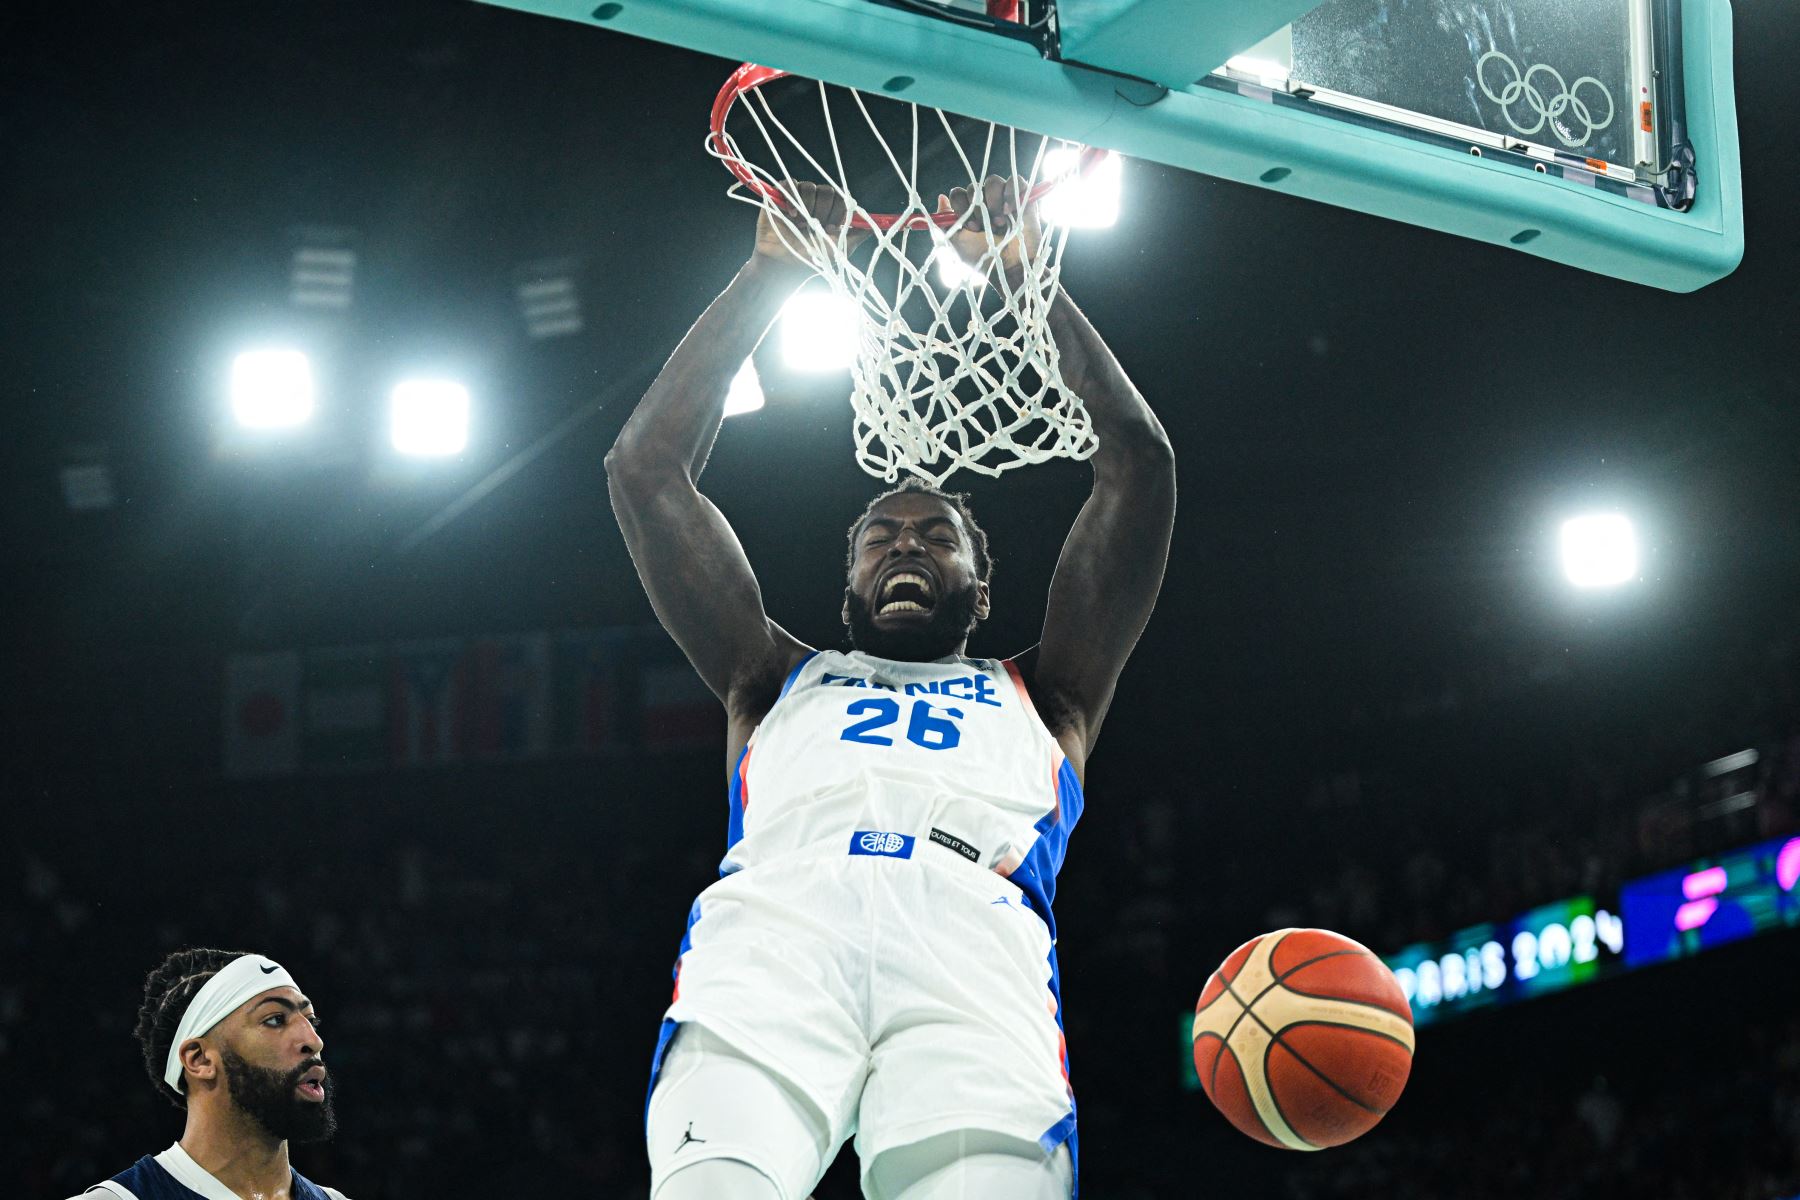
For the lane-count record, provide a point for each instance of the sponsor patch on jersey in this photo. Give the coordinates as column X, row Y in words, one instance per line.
column 952, row 842
column 882, row 845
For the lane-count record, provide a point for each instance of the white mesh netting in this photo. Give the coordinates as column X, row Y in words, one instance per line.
column 955, row 364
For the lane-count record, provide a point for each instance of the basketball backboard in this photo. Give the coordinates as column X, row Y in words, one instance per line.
column 1597, row 133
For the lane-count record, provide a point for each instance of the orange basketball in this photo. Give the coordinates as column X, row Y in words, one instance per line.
column 1303, row 1039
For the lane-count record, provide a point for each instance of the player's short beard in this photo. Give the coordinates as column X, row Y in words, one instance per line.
column 943, row 634
column 267, row 1095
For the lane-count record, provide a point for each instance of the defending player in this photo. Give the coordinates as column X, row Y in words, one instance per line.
column 878, row 955
column 231, row 1040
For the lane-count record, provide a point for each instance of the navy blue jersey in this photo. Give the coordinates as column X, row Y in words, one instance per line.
column 148, row 1179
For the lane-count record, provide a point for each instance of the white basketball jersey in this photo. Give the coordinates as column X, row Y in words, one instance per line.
column 814, row 961
column 865, row 755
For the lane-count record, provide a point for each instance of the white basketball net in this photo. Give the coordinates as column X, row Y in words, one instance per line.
column 955, row 365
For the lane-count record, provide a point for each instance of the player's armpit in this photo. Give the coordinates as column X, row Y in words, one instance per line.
column 1060, row 715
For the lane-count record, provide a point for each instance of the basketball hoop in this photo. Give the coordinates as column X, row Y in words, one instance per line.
column 955, row 366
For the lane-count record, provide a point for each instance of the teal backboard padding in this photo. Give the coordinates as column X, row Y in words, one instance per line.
column 876, row 48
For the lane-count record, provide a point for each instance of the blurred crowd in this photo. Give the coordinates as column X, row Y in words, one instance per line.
column 489, row 1013
column 1722, row 1124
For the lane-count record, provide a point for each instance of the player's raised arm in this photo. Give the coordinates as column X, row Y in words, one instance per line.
column 690, row 561
column 1112, row 564
column 1111, row 568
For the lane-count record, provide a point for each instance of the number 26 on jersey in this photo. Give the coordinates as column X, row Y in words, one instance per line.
column 924, row 727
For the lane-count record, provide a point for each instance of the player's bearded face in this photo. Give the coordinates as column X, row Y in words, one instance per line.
column 940, row 634
column 271, row 1098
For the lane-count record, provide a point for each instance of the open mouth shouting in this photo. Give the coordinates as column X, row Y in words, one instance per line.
column 907, row 590
column 312, row 1084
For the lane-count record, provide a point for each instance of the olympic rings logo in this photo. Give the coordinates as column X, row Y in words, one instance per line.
column 1563, row 100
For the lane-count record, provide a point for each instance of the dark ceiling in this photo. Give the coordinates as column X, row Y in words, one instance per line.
column 1377, row 425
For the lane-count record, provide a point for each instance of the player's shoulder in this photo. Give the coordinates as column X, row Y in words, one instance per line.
column 315, row 1190
column 147, row 1180
column 139, row 1181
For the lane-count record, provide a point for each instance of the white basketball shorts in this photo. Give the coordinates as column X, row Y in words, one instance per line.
column 901, row 997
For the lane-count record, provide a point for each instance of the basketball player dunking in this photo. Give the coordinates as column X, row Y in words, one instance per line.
column 229, row 1039
column 878, row 956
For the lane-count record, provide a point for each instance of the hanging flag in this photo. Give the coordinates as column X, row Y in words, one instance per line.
column 585, row 693
column 502, row 702
column 677, row 710
column 423, row 682
column 345, row 722
column 262, row 693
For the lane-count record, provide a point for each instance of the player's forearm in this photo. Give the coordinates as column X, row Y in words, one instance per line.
column 1124, row 423
column 674, row 425
column 1112, row 564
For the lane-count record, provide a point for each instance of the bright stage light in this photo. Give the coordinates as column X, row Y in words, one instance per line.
column 271, row 389
column 1599, row 550
column 818, row 332
column 746, row 393
column 954, row 271
column 1089, row 201
column 429, row 417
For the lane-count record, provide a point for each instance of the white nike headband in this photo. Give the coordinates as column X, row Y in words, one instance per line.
column 237, row 981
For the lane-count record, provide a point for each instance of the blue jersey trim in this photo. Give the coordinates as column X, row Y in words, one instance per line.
column 1064, row 1130
column 687, row 936
column 734, row 823
column 1036, row 875
column 794, row 674
column 1056, row 1135
column 668, row 1025
column 663, row 1038
column 1036, row 878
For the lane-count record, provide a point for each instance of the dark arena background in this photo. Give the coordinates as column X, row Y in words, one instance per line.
column 408, row 724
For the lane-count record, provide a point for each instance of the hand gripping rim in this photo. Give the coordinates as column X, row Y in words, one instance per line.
column 749, row 76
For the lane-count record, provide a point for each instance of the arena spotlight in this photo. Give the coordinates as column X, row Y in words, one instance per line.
column 1599, row 550
column 818, row 332
column 1089, row 201
column 429, row 418
column 271, row 389
column 746, row 395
